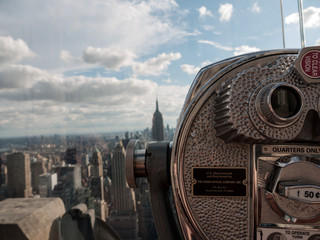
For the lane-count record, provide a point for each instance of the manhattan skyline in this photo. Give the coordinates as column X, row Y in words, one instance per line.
column 90, row 67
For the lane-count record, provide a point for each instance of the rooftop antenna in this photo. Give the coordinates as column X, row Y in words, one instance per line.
column 300, row 9
column 283, row 38
column 157, row 105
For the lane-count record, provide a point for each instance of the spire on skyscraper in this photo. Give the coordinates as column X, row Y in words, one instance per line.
column 157, row 124
column 157, row 105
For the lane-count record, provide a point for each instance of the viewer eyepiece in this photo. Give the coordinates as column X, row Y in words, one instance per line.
column 280, row 104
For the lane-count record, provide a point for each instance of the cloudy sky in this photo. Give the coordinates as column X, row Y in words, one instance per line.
column 80, row 66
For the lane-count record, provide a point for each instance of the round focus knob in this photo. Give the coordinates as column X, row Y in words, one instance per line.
column 135, row 163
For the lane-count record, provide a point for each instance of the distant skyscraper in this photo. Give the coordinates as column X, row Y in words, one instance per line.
column 124, row 200
column 71, row 156
column 0, row 172
column 47, row 182
column 97, row 184
column 19, row 175
column 69, row 178
column 37, row 168
column 96, row 162
column 123, row 217
column 157, row 125
column 147, row 228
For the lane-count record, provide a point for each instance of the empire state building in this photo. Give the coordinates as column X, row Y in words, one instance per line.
column 157, row 125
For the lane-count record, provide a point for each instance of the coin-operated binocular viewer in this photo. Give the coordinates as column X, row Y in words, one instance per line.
column 245, row 161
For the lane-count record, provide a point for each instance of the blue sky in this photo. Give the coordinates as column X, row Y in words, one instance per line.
column 96, row 66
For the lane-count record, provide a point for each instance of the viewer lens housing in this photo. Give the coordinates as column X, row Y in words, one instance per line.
column 279, row 104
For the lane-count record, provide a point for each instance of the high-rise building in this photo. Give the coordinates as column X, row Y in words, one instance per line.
column 71, row 156
column 97, row 188
column 69, row 182
column 147, row 228
column 0, row 172
column 124, row 200
column 96, row 162
column 19, row 175
column 47, row 182
column 123, row 217
column 157, row 125
column 37, row 168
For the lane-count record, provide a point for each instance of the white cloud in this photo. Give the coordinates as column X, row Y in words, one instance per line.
column 317, row 43
column 12, row 50
column 190, row 69
column 155, row 66
column 203, row 12
column 211, row 28
column 217, row 45
column 311, row 17
column 80, row 89
column 193, row 70
column 255, row 8
column 237, row 50
column 225, row 12
column 163, row 5
column 116, row 58
column 130, row 111
column 168, row 80
column 205, row 63
column 58, row 104
column 208, row 27
column 244, row 49
column 20, row 76
column 139, row 26
column 35, row 101
column 111, row 58
column 66, row 56
column 75, row 91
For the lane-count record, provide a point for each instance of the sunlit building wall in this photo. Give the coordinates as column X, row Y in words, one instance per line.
column 97, row 188
column 124, row 200
column 37, row 168
column 123, row 217
column 19, row 175
column 47, row 181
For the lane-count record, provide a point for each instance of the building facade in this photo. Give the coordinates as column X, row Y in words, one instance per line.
column 96, row 184
column 123, row 216
column 19, row 175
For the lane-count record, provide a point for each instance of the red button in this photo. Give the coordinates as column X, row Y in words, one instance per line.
column 310, row 64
